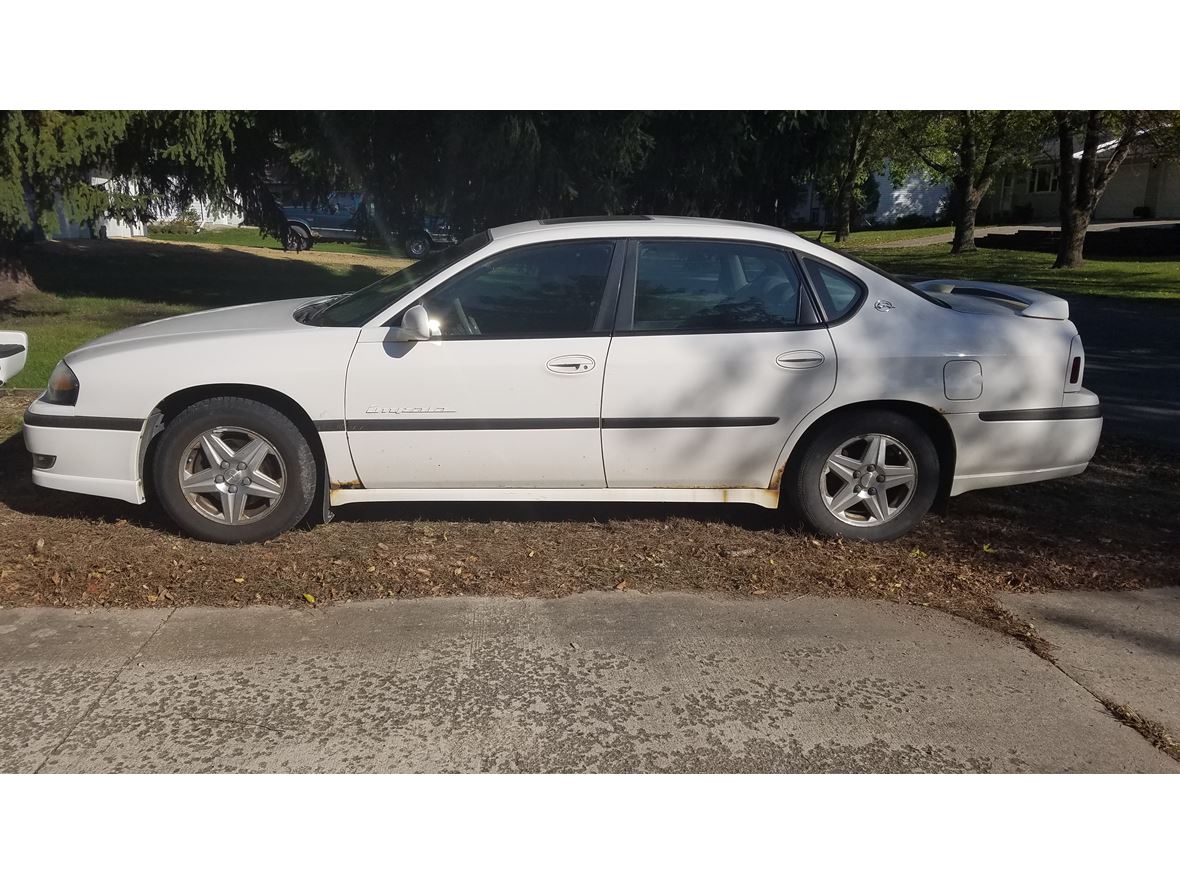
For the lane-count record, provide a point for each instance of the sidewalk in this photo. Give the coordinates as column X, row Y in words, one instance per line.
column 595, row 682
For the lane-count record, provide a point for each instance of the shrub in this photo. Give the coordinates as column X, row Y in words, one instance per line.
column 187, row 222
column 1143, row 212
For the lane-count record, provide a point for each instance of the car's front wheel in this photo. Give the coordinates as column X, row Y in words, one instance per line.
column 867, row 476
column 234, row 471
column 417, row 245
column 297, row 239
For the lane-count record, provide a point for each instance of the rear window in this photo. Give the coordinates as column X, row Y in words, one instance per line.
column 838, row 292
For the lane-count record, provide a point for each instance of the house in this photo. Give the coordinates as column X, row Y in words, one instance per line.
column 918, row 195
column 1145, row 186
column 69, row 228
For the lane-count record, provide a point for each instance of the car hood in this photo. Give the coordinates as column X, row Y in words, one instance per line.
column 265, row 316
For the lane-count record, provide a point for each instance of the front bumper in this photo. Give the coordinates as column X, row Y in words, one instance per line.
column 1003, row 449
column 91, row 456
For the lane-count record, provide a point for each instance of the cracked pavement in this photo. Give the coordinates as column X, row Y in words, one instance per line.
column 621, row 682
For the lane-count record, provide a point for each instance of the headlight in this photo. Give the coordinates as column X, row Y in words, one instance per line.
column 62, row 389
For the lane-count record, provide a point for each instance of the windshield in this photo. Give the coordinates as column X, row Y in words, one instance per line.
column 357, row 308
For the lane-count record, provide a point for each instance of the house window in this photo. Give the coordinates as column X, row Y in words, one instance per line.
column 1042, row 180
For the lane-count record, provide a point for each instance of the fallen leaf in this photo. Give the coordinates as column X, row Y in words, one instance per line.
column 622, row 585
column 988, row 548
column 39, row 545
column 310, row 599
column 239, row 580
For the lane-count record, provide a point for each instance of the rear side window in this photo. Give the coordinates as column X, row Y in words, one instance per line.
column 704, row 286
column 837, row 292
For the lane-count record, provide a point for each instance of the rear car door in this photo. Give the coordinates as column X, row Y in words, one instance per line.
column 507, row 391
column 718, row 354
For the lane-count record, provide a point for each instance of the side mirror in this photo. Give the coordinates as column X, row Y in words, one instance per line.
column 14, row 350
column 415, row 325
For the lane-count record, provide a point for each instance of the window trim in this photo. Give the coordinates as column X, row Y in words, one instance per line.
column 862, row 294
column 1054, row 176
column 625, row 316
column 602, row 319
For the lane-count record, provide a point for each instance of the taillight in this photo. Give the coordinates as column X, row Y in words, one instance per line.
column 1076, row 365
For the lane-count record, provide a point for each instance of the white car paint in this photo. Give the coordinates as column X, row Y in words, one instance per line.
column 1014, row 349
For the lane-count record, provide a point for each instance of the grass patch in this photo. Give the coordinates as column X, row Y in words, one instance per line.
column 862, row 238
column 252, row 237
column 1119, row 278
column 90, row 288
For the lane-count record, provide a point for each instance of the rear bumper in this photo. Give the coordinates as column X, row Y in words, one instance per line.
column 1010, row 448
column 89, row 457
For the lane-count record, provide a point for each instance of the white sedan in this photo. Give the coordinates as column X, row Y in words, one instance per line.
column 600, row 359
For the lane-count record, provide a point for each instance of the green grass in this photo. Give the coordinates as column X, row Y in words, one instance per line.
column 249, row 236
column 877, row 237
column 1121, row 278
column 90, row 289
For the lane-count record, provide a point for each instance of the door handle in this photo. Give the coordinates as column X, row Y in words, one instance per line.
column 574, row 364
column 799, row 359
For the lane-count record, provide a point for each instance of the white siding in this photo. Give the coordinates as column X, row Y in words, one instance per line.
column 918, row 193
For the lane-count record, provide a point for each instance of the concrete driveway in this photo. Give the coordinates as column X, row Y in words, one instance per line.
column 595, row 682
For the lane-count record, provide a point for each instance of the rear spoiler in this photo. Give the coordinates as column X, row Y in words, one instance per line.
column 1036, row 304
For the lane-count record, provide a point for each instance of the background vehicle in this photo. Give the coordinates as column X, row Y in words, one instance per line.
column 14, row 350
column 339, row 220
column 620, row 359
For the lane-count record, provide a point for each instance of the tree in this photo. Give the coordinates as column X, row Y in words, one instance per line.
column 850, row 145
column 152, row 160
column 1110, row 133
column 967, row 149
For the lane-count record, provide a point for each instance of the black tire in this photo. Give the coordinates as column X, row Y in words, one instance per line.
column 805, row 498
column 417, row 245
column 295, row 458
column 297, row 239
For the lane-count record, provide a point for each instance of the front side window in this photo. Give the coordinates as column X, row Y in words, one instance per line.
column 553, row 290
column 703, row 286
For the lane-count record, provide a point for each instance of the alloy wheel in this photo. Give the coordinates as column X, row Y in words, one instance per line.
column 232, row 475
column 868, row 480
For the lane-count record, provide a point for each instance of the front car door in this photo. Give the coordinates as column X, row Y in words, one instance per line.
column 717, row 355
column 508, row 390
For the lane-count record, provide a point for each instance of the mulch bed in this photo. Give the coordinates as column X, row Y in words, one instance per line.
column 1113, row 528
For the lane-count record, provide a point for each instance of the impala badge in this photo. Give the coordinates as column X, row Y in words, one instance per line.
column 884, row 305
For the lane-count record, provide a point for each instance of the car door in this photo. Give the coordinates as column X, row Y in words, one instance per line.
column 717, row 355
column 507, row 391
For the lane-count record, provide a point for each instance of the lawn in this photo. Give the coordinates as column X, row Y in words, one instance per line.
column 862, row 238
column 90, row 288
column 1121, row 278
column 250, row 236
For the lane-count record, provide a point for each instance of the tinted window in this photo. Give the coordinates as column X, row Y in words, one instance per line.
column 837, row 291
column 357, row 308
column 554, row 290
column 703, row 286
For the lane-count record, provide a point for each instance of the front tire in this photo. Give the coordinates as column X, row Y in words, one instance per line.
column 417, row 245
column 867, row 476
column 234, row 471
column 297, row 239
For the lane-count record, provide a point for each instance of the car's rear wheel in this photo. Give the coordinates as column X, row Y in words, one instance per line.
column 297, row 239
column 417, row 245
column 234, row 471
column 867, row 476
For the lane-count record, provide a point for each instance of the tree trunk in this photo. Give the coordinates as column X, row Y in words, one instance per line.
column 843, row 214
column 965, row 204
column 1073, row 238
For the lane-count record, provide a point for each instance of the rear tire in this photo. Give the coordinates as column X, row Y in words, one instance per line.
column 867, row 476
column 234, row 471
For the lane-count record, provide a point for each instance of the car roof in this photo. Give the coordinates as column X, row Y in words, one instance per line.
column 641, row 226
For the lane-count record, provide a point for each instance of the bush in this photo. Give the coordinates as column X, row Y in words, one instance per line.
column 911, row 220
column 1143, row 212
column 1023, row 214
column 187, row 222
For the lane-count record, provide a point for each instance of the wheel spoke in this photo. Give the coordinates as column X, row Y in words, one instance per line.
column 233, row 504
column 203, row 482
column 216, row 449
column 843, row 466
column 878, row 506
column 252, row 454
column 263, row 486
column 897, row 476
column 875, row 451
column 844, row 499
